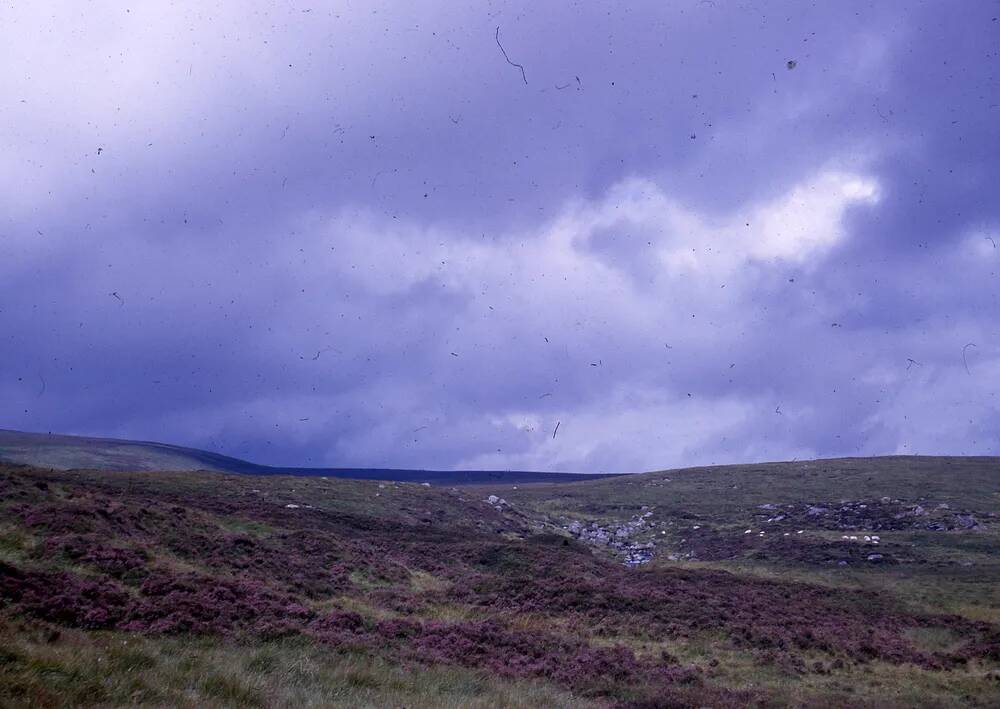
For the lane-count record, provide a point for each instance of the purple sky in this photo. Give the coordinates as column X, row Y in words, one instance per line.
column 700, row 231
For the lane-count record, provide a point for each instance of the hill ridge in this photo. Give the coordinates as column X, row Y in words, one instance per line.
column 65, row 452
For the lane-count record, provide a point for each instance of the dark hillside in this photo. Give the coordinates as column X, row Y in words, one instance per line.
column 46, row 450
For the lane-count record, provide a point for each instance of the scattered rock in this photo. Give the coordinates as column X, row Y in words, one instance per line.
column 639, row 554
column 873, row 515
column 618, row 538
column 497, row 503
column 966, row 521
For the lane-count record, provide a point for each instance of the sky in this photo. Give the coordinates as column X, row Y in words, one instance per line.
column 586, row 237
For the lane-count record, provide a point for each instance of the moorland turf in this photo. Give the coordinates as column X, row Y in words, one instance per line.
column 398, row 577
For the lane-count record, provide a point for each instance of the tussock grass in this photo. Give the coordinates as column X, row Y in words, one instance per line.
column 120, row 668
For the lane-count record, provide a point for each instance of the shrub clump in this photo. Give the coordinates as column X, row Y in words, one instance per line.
column 64, row 598
column 193, row 603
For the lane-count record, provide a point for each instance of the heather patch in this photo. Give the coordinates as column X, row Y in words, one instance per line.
column 63, row 598
column 191, row 603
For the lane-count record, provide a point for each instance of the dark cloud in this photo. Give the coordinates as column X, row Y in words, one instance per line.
column 357, row 237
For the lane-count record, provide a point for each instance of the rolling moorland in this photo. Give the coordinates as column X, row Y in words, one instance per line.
column 852, row 582
column 48, row 450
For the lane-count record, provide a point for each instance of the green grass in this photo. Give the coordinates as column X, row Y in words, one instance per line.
column 253, row 528
column 726, row 490
column 818, row 683
column 15, row 542
column 920, row 590
column 118, row 668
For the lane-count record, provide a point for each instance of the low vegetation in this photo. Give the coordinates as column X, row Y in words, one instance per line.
column 202, row 588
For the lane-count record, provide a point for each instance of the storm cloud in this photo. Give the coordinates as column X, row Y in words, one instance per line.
column 692, row 233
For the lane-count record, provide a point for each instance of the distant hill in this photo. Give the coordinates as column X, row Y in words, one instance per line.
column 48, row 450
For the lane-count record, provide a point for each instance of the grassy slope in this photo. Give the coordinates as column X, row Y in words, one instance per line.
column 64, row 452
column 440, row 557
column 730, row 489
column 949, row 571
column 81, row 668
column 46, row 450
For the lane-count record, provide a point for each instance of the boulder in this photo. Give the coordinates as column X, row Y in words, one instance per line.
column 966, row 522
